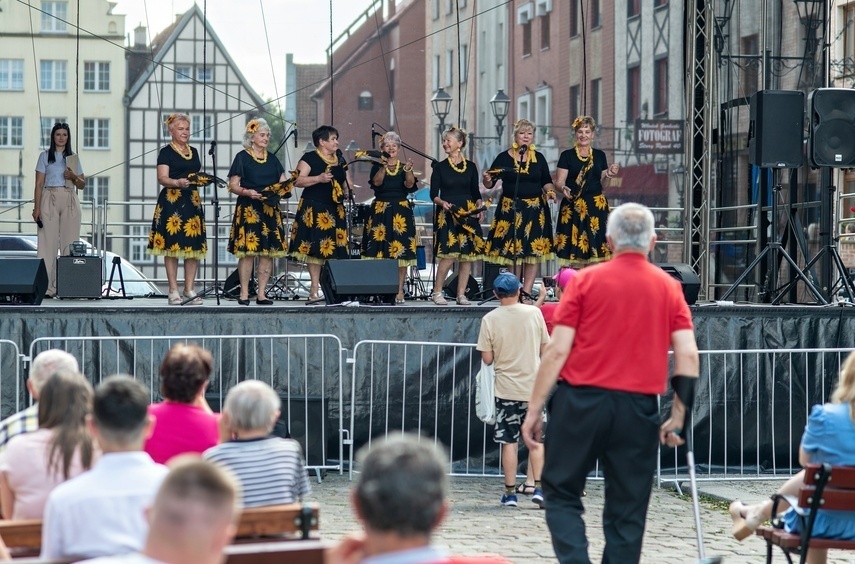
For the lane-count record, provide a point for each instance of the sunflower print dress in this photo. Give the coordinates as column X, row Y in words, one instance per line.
column 390, row 232
column 523, row 232
column 580, row 235
column 257, row 227
column 178, row 225
column 459, row 238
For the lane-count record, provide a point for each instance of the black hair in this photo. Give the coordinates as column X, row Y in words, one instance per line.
column 323, row 133
column 67, row 152
column 120, row 408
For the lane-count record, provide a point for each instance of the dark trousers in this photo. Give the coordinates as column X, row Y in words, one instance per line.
column 620, row 430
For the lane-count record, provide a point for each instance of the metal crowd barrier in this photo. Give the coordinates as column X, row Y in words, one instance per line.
column 306, row 371
column 11, row 383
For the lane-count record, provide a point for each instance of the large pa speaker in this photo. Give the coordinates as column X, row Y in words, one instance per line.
column 24, row 281
column 775, row 131
column 831, row 139
column 360, row 280
column 491, row 270
column 78, row 277
column 688, row 279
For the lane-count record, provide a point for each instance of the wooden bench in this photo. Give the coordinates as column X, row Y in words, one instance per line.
column 825, row 487
column 256, row 524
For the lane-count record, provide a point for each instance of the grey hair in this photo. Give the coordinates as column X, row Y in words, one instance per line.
column 457, row 133
column 252, row 405
column 391, row 137
column 176, row 117
column 522, row 124
column 630, row 227
column 247, row 136
column 402, row 486
column 48, row 363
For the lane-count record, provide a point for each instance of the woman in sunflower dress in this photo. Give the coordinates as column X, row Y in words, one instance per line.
column 454, row 189
column 390, row 232
column 521, row 231
column 319, row 231
column 580, row 236
column 257, row 227
column 178, row 226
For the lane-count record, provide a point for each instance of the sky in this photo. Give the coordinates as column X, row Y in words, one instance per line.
column 301, row 27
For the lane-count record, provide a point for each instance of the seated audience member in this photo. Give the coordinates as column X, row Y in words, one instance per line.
column 35, row 463
column 185, row 422
column 270, row 469
column 400, row 498
column 102, row 511
column 45, row 365
column 829, row 437
column 193, row 518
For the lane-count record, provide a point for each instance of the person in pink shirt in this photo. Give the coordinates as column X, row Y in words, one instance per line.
column 35, row 463
column 548, row 309
column 185, row 421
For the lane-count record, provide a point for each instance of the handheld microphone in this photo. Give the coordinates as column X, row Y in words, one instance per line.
column 342, row 162
column 523, row 149
column 213, row 147
column 373, row 136
column 295, row 135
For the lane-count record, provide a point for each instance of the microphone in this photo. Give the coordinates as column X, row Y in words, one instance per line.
column 523, row 149
column 342, row 162
column 295, row 135
column 373, row 135
column 374, row 154
column 213, row 147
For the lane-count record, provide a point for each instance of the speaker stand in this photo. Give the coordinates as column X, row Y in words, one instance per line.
column 777, row 252
column 117, row 265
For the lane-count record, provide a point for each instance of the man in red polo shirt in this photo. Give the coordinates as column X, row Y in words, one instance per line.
column 618, row 319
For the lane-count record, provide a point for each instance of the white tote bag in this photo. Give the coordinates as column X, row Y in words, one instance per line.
column 485, row 394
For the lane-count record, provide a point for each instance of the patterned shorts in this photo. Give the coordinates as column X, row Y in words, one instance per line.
column 510, row 416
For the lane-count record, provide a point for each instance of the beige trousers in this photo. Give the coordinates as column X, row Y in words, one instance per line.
column 60, row 215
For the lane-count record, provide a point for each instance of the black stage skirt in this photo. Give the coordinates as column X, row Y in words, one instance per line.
column 533, row 232
column 257, row 230
column 390, row 233
column 319, row 232
column 178, row 226
column 459, row 238
column 580, row 236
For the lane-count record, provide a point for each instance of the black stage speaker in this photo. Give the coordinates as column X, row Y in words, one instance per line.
column 24, row 281
column 831, row 142
column 492, row 270
column 360, row 280
column 231, row 287
column 688, row 280
column 309, row 422
column 78, row 277
column 775, row 131
column 471, row 287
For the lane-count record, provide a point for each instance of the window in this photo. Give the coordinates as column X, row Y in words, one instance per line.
column 464, row 63
column 54, row 16
column 223, row 254
column 47, row 124
column 436, row 64
column 10, row 189
column 633, row 84
column 449, row 7
column 544, row 31
column 96, row 133
column 11, row 74
column 596, row 100
column 633, row 8
column 660, row 3
column 848, row 40
column 183, row 74
column 435, row 9
column 748, row 76
column 96, row 76
column 575, row 102
column 53, row 76
column 574, row 18
column 526, row 38
column 200, row 130
column 449, row 67
column 138, row 243
column 543, row 111
column 596, row 14
column 524, row 107
column 660, row 85
column 366, row 101
column 204, row 74
column 97, row 189
column 11, row 132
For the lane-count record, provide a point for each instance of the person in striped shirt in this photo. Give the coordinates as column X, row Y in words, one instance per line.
column 270, row 469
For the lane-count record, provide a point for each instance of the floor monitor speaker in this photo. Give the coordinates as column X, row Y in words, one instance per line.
column 688, row 279
column 450, row 287
column 360, row 280
column 24, row 281
column 831, row 139
column 776, row 129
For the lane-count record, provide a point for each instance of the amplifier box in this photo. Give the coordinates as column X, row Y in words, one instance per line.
column 78, row 277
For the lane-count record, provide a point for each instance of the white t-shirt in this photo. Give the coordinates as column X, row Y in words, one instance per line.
column 134, row 558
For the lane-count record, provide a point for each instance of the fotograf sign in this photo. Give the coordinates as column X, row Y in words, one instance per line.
column 659, row 136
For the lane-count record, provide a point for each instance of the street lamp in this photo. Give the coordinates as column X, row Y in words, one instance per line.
column 352, row 147
column 500, row 103
column 441, row 104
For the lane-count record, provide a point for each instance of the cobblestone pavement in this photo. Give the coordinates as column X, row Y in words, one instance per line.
column 478, row 524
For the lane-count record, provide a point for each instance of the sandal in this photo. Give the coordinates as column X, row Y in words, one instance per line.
column 399, row 300
column 461, row 300
column 196, row 300
column 525, row 489
column 174, row 298
column 438, row 299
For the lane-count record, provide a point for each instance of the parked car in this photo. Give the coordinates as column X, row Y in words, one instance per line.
column 136, row 283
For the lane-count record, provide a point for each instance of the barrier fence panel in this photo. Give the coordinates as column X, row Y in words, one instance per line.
column 426, row 388
column 305, row 370
column 13, row 395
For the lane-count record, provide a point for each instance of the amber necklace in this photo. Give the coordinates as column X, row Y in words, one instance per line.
column 331, row 161
column 521, row 169
column 579, row 155
column 394, row 171
column 262, row 160
column 187, row 156
column 454, row 167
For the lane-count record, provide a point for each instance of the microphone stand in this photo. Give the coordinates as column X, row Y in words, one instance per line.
column 216, row 289
column 348, row 209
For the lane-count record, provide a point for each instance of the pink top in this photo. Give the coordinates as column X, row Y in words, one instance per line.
column 180, row 428
column 25, row 465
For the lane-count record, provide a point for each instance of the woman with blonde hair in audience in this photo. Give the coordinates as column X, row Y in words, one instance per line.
column 35, row 463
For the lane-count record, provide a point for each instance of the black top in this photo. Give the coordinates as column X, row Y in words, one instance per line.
column 179, row 167
column 531, row 184
column 393, row 188
column 455, row 187
column 255, row 175
column 322, row 192
column 571, row 163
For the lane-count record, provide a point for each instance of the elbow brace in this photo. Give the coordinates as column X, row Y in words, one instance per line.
column 684, row 388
